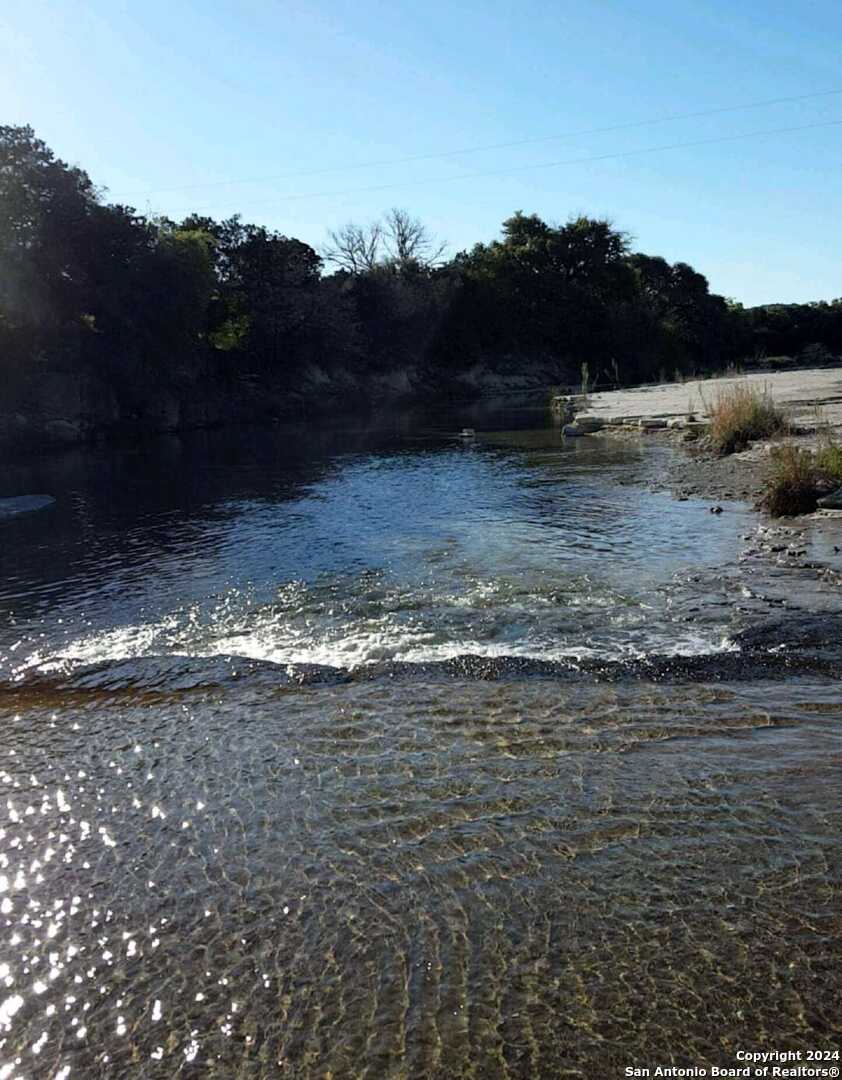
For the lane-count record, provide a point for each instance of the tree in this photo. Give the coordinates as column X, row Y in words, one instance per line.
column 355, row 249
column 45, row 210
column 546, row 290
column 400, row 242
column 695, row 326
column 409, row 243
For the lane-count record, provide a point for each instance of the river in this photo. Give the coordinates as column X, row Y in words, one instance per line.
column 372, row 751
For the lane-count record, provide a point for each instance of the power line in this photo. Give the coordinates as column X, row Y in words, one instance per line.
column 547, row 164
column 492, row 146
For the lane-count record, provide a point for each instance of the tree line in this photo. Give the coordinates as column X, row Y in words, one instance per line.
column 88, row 283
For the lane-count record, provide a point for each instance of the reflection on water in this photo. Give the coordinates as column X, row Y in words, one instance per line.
column 399, row 877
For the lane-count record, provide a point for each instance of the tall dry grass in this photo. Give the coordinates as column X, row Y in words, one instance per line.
column 739, row 414
column 794, row 484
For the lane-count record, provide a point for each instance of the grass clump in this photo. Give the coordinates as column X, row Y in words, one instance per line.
column 741, row 414
column 829, row 462
column 795, row 483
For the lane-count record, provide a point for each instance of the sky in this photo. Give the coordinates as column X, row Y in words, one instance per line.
column 303, row 116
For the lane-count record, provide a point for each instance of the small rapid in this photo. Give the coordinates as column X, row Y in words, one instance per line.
column 515, row 546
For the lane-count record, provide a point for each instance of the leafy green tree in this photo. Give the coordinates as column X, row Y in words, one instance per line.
column 45, row 210
column 150, row 304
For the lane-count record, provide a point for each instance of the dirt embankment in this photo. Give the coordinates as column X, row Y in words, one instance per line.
column 44, row 407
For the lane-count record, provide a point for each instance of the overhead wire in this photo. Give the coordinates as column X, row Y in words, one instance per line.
column 514, row 170
column 534, row 140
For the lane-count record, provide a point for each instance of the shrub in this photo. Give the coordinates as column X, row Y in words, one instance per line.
column 794, row 484
column 742, row 413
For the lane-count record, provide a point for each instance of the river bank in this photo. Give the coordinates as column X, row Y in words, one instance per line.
column 811, row 398
column 804, row 552
column 47, row 407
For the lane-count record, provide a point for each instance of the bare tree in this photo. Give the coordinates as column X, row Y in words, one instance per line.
column 408, row 240
column 400, row 241
column 354, row 248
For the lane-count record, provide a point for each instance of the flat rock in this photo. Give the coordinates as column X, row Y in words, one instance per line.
column 23, row 504
column 180, row 673
column 797, row 631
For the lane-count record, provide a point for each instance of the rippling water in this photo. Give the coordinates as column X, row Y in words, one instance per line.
column 254, row 825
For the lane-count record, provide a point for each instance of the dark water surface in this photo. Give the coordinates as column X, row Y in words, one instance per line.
column 262, row 819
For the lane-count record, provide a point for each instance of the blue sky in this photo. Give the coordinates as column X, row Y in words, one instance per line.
column 165, row 103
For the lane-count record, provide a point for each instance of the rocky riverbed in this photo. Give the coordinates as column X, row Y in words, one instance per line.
column 808, row 548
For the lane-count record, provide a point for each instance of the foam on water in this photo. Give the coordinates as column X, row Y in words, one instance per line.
column 350, row 622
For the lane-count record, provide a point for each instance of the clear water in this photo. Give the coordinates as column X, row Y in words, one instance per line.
column 512, row 544
column 211, row 867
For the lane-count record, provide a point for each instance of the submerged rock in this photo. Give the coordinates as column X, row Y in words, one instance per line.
column 178, row 673
column 24, row 504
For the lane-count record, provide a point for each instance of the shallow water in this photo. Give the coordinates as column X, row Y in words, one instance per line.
column 421, row 549
column 387, row 865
